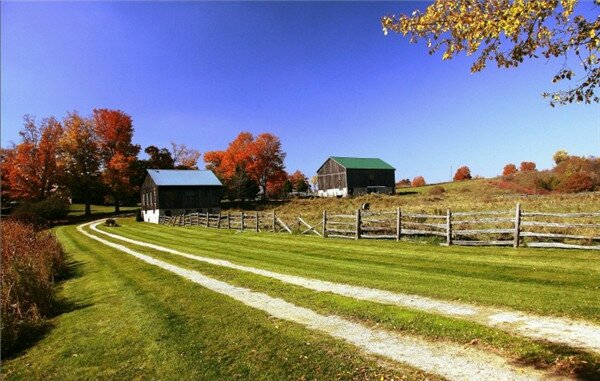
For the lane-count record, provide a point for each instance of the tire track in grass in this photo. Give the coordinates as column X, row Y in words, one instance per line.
column 451, row 361
column 577, row 334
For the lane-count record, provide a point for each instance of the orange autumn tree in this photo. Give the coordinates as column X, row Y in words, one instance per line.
column 299, row 181
column 527, row 166
column 114, row 131
column 30, row 167
column 257, row 159
column 462, row 173
column 418, row 181
column 80, row 157
column 509, row 169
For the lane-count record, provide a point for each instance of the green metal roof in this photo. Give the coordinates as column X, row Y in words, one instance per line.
column 362, row 162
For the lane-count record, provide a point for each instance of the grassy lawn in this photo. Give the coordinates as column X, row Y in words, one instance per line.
column 431, row 326
column 547, row 282
column 129, row 320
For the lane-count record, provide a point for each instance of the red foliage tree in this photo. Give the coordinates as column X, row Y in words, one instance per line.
column 299, row 181
column 577, row 182
column 114, row 131
column 527, row 166
column 462, row 173
column 30, row 168
column 418, row 181
column 261, row 157
column 509, row 169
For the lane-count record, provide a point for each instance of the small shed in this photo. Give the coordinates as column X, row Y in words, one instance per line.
column 169, row 192
column 353, row 176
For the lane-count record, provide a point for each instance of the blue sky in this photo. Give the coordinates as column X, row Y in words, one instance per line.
column 320, row 75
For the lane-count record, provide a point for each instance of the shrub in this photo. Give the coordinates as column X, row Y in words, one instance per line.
column 509, row 169
column 527, row 166
column 418, row 181
column 462, row 173
column 437, row 190
column 50, row 209
column 31, row 260
column 403, row 183
column 578, row 182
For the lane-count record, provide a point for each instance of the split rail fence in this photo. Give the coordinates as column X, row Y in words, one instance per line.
column 486, row 228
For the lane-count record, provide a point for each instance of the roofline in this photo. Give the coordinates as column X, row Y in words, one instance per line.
column 350, row 157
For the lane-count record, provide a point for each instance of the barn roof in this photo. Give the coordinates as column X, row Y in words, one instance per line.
column 361, row 162
column 183, row 177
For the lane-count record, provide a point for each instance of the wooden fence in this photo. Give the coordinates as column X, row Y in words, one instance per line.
column 486, row 228
column 256, row 221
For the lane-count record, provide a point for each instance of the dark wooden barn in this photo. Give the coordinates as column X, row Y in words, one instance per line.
column 353, row 176
column 167, row 192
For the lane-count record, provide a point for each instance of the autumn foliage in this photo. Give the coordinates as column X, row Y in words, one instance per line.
column 527, row 166
column 462, row 173
column 31, row 261
column 418, row 181
column 259, row 158
column 509, row 169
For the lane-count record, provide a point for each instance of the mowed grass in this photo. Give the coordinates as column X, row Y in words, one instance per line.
column 557, row 358
column 543, row 281
column 129, row 320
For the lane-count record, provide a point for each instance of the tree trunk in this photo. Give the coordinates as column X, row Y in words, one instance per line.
column 117, row 208
column 88, row 205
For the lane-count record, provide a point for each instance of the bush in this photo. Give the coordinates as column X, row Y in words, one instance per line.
column 418, row 181
column 509, row 169
column 578, row 182
column 527, row 166
column 50, row 209
column 462, row 173
column 31, row 260
column 437, row 190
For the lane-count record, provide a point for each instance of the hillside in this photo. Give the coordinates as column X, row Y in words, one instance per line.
column 472, row 195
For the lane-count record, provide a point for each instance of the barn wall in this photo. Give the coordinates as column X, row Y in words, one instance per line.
column 189, row 197
column 149, row 194
column 360, row 179
column 331, row 175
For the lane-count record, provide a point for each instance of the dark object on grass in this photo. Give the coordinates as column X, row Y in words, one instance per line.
column 111, row 222
column 138, row 216
column 365, row 206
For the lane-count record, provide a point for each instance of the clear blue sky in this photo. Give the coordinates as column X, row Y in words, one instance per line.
column 320, row 75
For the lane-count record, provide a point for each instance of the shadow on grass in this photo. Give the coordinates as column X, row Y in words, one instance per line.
column 32, row 333
column 565, row 361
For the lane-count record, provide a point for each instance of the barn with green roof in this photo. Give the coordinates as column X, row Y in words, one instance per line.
column 354, row 176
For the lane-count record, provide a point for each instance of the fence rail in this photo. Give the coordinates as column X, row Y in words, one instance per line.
column 486, row 228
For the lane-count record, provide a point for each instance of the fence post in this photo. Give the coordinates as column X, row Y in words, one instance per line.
column 357, row 224
column 449, row 227
column 517, row 225
column 228, row 220
column 257, row 221
column 273, row 230
column 219, row 221
column 324, row 224
column 398, row 223
column 242, row 222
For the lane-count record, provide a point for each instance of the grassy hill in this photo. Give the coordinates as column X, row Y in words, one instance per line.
column 472, row 195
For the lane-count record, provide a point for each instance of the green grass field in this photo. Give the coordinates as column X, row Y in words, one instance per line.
column 125, row 319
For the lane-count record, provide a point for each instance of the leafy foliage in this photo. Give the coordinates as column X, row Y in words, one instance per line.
column 508, row 32
column 261, row 159
column 560, row 155
column 462, row 173
column 527, row 166
column 509, row 169
column 31, row 260
column 184, row 157
column 418, row 181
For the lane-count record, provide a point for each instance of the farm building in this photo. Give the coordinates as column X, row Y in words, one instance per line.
column 168, row 192
column 353, row 176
